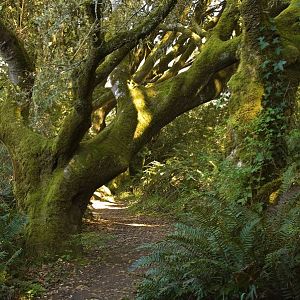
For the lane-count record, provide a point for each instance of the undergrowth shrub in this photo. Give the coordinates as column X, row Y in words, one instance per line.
column 230, row 246
column 180, row 185
column 235, row 252
column 11, row 226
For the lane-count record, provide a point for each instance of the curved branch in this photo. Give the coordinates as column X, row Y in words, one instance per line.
column 162, row 66
column 185, row 30
column 16, row 58
column 19, row 65
column 180, row 64
column 104, row 95
column 111, row 62
column 152, row 58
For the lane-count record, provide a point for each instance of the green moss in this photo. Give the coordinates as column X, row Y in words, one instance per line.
column 288, row 23
column 247, row 91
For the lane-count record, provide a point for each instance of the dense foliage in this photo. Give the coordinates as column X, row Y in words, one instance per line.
column 233, row 253
column 228, row 247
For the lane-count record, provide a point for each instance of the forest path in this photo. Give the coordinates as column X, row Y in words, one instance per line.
column 104, row 275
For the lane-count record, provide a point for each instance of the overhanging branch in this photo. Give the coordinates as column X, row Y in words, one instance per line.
column 78, row 121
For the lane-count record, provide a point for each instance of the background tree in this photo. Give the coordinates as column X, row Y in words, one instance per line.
column 69, row 62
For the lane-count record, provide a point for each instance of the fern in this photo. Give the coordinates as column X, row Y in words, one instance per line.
column 11, row 225
column 247, row 257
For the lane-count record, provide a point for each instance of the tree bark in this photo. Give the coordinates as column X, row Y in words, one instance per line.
column 264, row 94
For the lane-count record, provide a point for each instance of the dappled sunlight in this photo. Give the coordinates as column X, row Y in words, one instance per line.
column 144, row 115
column 97, row 204
column 142, row 225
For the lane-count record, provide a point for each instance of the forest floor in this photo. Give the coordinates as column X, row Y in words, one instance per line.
column 111, row 237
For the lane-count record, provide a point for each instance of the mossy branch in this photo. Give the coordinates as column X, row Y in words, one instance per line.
column 78, row 121
column 184, row 30
column 102, row 97
column 150, row 71
column 111, row 62
column 20, row 66
column 15, row 56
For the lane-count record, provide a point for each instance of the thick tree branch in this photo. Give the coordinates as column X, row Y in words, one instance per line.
column 20, row 67
column 179, row 48
column 102, row 97
column 16, row 58
column 111, row 62
column 153, row 57
column 13, row 131
column 99, row 116
column 174, row 104
column 185, row 30
column 180, row 64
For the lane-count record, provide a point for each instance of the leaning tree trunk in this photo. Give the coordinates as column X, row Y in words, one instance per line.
column 54, row 178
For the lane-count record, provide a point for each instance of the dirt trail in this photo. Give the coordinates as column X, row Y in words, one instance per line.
column 106, row 275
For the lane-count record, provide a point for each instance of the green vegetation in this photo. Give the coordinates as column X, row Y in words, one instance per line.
column 196, row 101
column 11, row 227
column 6, row 193
column 234, row 253
column 232, row 246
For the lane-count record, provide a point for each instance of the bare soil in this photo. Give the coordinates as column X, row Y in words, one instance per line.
column 104, row 273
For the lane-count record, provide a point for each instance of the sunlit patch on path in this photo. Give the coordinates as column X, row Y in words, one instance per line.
column 97, row 204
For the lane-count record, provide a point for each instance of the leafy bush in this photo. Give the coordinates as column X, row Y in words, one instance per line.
column 11, row 226
column 180, row 185
column 234, row 253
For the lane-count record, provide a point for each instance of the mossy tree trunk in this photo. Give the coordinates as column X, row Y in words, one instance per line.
column 264, row 91
column 55, row 198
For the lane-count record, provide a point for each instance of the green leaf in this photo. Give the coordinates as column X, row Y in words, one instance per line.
column 269, row 89
column 273, row 28
column 267, row 75
column 279, row 65
column 276, row 40
column 279, row 94
column 262, row 43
